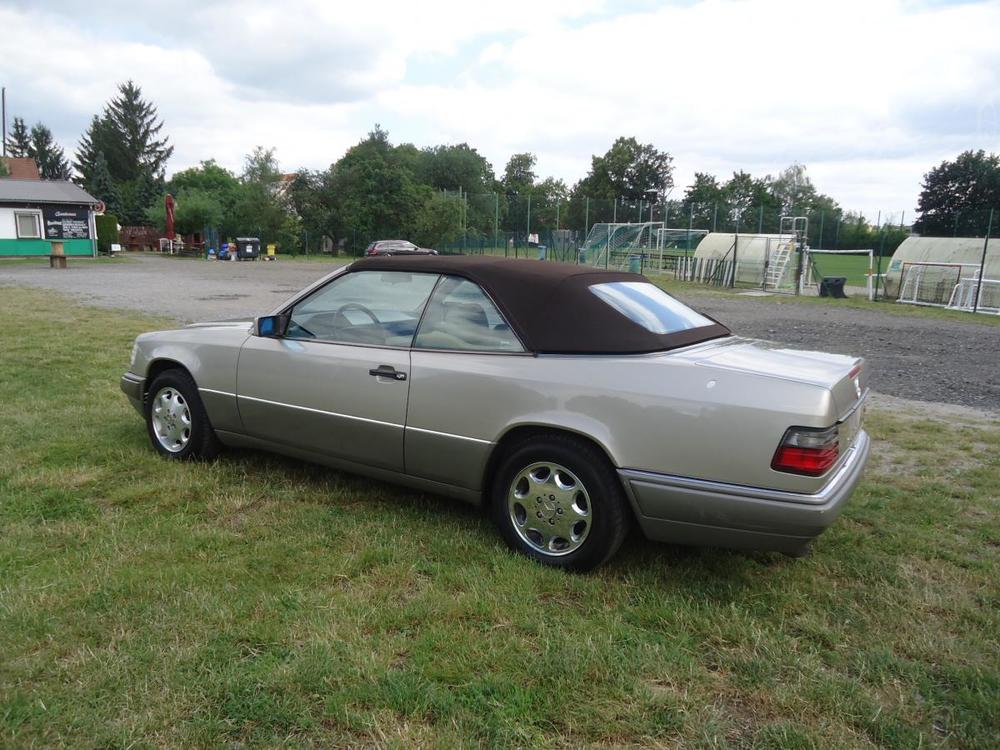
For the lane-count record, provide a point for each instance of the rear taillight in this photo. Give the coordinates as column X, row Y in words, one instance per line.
column 806, row 450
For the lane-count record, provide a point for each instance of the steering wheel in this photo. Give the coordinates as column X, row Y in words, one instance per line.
column 355, row 306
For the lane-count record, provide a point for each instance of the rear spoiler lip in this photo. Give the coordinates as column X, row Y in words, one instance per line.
column 857, row 405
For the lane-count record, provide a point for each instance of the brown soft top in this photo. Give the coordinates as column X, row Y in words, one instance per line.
column 549, row 305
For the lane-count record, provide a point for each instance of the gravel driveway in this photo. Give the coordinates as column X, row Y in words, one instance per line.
column 910, row 357
column 913, row 357
column 187, row 289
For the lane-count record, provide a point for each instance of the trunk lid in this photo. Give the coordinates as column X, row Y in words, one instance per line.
column 844, row 376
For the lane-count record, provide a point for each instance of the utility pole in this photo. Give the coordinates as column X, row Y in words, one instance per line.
column 496, row 222
column 3, row 107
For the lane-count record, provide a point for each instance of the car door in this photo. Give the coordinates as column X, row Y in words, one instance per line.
column 337, row 382
column 461, row 387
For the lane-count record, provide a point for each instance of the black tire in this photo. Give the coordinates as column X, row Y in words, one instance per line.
column 609, row 514
column 201, row 439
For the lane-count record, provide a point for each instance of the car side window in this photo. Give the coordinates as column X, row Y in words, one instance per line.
column 375, row 308
column 460, row 316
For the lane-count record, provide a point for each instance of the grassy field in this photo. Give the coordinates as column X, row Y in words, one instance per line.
column 257, row 601
column 853, row 267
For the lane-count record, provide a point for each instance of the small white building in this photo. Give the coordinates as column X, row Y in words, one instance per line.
column 35, row 212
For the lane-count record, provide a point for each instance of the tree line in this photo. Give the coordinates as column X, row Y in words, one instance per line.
column 438, row 194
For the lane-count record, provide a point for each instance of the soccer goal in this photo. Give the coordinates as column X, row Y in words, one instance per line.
column 613, row 245
column 932, row 284
column 964, row 295
column 857, row 266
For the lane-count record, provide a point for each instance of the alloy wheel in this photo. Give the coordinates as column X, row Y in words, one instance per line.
column 550, row 508
column 171, row 419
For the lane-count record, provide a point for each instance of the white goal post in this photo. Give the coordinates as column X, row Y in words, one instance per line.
column 808, row 275
column 931, row 283
column 964, row 295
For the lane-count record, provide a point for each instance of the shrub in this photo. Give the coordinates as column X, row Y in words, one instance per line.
column 107, row 232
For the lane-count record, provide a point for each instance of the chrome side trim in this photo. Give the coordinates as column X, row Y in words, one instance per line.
column 217, row 393
column 450, row 435
column 320, row 411
column 492, row 353
column 855, row 454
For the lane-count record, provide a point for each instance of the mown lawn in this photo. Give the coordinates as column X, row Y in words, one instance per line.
column 853, row 267
column 258, row 601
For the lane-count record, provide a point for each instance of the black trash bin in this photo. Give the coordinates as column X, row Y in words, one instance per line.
column 833, row 286
column 247, row 248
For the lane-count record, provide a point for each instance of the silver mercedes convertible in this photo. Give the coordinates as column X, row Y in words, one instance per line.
column 569, row 402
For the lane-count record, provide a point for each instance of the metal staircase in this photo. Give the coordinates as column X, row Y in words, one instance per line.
column 777, row 262
column 794, row 231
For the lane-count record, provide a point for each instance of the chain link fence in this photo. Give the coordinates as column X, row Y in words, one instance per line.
column 732, row 244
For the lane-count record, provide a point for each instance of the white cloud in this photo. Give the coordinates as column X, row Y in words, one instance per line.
column 869, row 94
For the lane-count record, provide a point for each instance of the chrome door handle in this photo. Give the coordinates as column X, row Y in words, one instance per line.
column 387, row 371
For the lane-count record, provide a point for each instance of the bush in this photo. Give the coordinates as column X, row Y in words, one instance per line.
column 107, row 232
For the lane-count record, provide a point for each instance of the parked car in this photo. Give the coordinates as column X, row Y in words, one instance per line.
column 397, row 247
column 568, row 401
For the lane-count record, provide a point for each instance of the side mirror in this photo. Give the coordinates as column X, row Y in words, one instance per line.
column 270, row 326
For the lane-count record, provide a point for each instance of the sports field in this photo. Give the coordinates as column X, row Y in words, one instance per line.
column 854, row 267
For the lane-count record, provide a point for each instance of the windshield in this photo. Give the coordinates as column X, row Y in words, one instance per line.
column 650, row 306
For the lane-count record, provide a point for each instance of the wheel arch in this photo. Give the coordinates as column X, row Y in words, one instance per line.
column 518, row 434
column 159, row 366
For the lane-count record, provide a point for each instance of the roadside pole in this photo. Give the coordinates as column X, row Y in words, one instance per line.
column 736, row 242
column 496, row 223
column 982, row 264
column 687, row 246
column 878, row 263
column 529, row 215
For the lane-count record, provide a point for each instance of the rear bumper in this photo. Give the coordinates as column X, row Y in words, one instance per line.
column 682, row 510
column 133, row 386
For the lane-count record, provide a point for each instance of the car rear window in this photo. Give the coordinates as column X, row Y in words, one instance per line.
column 650, row 306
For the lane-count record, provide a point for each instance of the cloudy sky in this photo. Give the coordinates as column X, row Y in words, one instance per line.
column 868, row 94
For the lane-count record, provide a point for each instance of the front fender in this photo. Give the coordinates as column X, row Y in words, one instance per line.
column 210, row 356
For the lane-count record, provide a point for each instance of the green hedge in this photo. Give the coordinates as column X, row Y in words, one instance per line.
column 107, row 232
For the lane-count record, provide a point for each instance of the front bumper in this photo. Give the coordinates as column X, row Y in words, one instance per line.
column 682, row 510
column 134, row 387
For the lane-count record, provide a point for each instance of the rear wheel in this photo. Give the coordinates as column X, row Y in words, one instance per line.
column 558, row 500
column 176, row 421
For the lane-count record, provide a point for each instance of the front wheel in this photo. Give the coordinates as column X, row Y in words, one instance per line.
column 176, row 421
column 558, row 500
